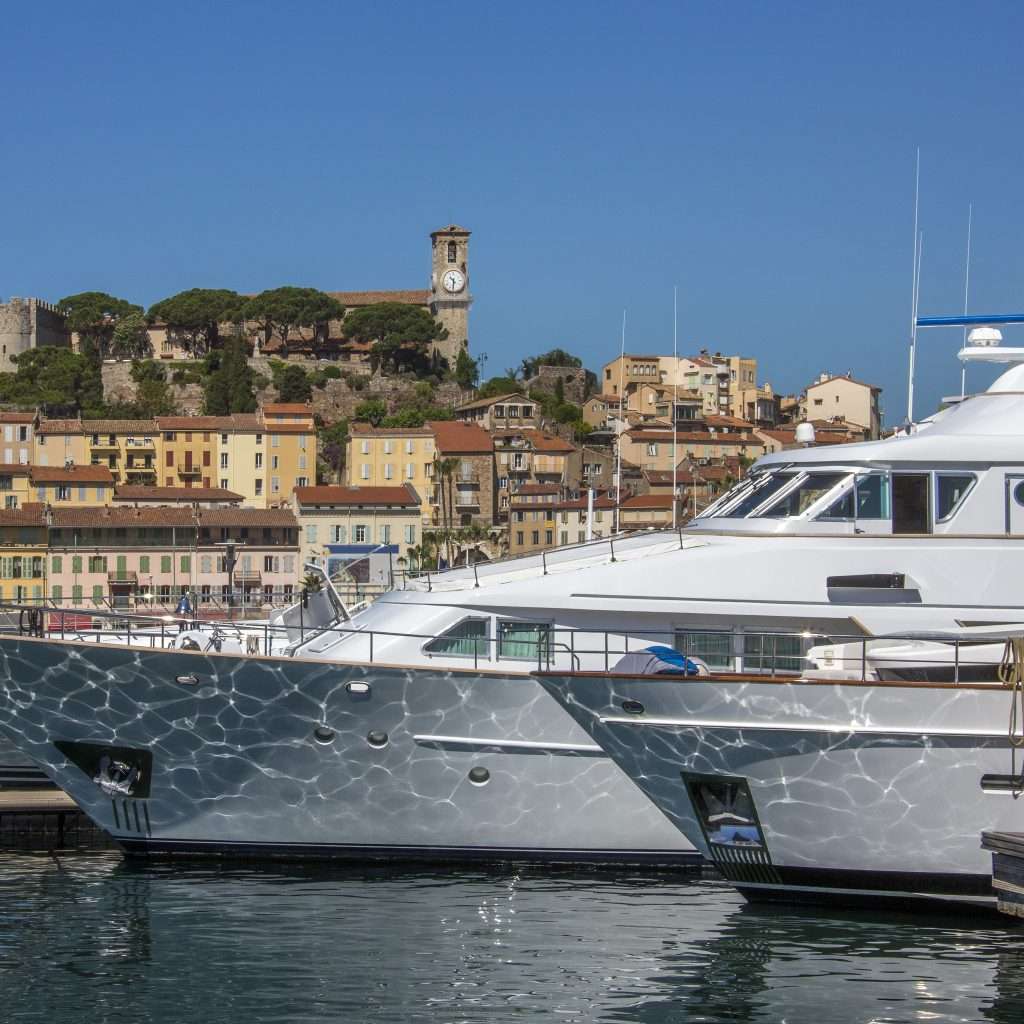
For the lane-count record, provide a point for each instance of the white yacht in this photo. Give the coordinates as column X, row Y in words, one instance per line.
column 865, row 768
column 415, row 727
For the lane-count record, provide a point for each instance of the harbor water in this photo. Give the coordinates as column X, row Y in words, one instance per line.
column 95, row 939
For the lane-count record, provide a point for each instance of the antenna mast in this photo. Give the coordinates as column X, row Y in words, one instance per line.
column 675, row 396
column 913, row 293
column 967, row 285
column 618, row 433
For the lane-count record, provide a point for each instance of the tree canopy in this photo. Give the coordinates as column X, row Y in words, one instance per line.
column 293, row 384
column 466, row 371
column 152, row 395
column 55, row 379
column 230, row 383
column 504, row 385
column 554, row 357
column 195, row 316
column 282, row 310
column 94, row 316
column 401, row 334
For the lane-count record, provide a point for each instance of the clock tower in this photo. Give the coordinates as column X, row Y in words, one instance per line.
column 449, row 288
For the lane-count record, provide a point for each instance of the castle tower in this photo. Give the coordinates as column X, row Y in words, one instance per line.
column 449, row 288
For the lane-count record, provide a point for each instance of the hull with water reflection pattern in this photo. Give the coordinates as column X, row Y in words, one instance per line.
column 816, row 791
column 186, row 752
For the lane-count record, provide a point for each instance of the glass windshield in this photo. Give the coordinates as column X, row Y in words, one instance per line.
column 716, row 507
column 867, row 498
column 800, row 499
column 762, row 491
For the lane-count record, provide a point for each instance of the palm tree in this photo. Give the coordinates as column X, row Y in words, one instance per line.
column 444, row 471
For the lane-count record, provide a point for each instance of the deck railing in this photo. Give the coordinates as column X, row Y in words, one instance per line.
column 751, row 653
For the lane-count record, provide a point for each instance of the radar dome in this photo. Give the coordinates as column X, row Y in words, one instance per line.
column 983, row 337
column 805, row 433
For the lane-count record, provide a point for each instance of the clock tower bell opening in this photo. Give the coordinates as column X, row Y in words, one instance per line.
column 450, row 297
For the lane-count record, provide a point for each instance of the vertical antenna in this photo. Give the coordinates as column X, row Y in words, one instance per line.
column 618, row 434
column 913, row 294
column 675, row 396
column 967, row 285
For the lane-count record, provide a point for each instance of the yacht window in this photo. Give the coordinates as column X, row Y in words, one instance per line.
column 467, row 638
column 716, row 507
column 800, row 499
column 868, row 498
column 910, row 513
column 760, row 494
column 713, row 648
column 529, row 640
column 1018, row 493
column 775, row 652
column 950, row 491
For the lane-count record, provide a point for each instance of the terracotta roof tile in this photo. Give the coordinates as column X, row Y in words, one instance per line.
column 59, row 427
column 413, row 297
column 544, row 442
column 366, row 430
column 246, row 517
column 118, row 516
column 538, row 489
column 17, row 417
column 70, row 474
column 288, row 409
column 30, row 514
column 483, row 403
column 137, row 492
column 194, row 423
column 120, row 426
column 647, row 501
column 454, row 437
column 405, row 496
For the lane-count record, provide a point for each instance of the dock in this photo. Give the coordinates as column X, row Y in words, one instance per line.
column 1007, row 849
column 45, row 821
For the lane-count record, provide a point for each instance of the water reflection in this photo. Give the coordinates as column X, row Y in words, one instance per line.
column 101, row 940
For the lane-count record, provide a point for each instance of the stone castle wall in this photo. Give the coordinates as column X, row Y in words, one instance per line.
column 573, row 378
column 29, row 323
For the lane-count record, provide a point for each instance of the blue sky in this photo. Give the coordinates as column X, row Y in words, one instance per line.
column 759, row 156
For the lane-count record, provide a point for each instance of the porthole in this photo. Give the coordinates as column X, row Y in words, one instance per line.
column 323, row 734
column 377, row 738
column 1018, row 493
column 633, row 707
column 479, row 776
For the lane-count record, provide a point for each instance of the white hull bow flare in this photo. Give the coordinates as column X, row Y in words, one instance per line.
column 194, row 753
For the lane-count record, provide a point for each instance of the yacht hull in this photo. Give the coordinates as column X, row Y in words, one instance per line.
column 828, row 792
column 194, row 753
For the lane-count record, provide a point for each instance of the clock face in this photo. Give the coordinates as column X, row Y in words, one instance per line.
column 453, row 280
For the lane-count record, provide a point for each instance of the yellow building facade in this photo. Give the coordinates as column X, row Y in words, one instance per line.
column 390, row 457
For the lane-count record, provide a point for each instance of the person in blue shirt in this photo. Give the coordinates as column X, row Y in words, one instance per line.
column 184, row 611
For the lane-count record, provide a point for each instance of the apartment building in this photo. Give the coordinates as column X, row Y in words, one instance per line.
column 190, row 447
column 646, row 512
column 121, row 553
column 23, row 549
column 267, row 569
column 470, row 488
column 505, row 412
column 350, row 523
column 846, row 399
column 128, row 448
column 18, row 432
column 528, row 456
column 59, row 442
column 70, row 486
column 390, row 457
column 548, row 522
column 655, row 449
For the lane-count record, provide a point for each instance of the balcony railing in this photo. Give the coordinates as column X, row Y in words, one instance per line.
column 189, row 471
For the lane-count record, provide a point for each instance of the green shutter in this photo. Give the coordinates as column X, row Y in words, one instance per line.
column 97, row 592
column 76, row 593
column 76, row 564
column 165, row 563
column 57, row 563
column 186, row 563
column 144, row 563
column 58, row 592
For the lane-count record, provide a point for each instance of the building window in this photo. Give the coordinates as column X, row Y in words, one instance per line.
column 259, row 487
column 535, row 537
column 224, row 483
column 63, row 492
column 275, row 485
column 76, row 563
column 387, row 470
column 76, row 594
column 165, row 563
column 409, row 447
column 259, row 460
column 302, row 481
column 57, row 592
column 56, row 564
column 275, row 440
column 186, row 563
column 359, row 534
column 548, row 539
column 311, row 534
column 453, row 253
column 364, row 471
column 339, row 534
column 385, row 534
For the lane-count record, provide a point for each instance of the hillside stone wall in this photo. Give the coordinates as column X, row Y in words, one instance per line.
column 573, row 378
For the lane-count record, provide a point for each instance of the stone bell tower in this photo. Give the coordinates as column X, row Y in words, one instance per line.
column 449, row 288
